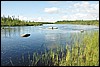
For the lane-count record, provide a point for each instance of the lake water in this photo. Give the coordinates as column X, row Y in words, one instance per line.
column 41, row 38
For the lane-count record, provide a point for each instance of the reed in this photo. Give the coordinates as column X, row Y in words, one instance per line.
column 84, row 52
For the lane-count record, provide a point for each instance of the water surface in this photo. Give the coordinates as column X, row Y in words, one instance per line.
column 41, row 38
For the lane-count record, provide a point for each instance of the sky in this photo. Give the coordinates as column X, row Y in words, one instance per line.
column 51, row 11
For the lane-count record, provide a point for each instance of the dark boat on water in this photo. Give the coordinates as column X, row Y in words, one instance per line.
column 53, row 28
column 25, row 35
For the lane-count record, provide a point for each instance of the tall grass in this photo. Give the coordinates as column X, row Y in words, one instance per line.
column 84, row 53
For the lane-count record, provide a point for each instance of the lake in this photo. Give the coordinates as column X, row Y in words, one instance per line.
column 41, row 38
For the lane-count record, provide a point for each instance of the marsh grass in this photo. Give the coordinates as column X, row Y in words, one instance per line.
column 84, row 51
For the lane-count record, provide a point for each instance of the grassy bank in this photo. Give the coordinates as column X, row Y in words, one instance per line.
column 85, row 53
column 82, row 22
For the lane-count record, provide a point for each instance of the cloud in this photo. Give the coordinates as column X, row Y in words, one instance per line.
column 86, row 6
column 65, row 17
column 45, row 19
column 38, row 19
column 51, row 19
column 25, row 18
column 76, row 4
column 86, row 9
column 83, row 4
column 51, row 10
column 53, row 1
column 78, row 16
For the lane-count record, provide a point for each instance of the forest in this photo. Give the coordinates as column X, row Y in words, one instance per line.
column 12, row 21
column 82, row 22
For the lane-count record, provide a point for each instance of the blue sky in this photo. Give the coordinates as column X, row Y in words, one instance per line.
column 51, row 11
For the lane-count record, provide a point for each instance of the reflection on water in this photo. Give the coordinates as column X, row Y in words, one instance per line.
column 41, row 38
column 10, row 32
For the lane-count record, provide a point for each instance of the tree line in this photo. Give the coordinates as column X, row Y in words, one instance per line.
column 82, row 22
column 12, row 21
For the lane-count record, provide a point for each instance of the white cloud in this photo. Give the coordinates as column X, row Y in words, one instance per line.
column 87, row 10
column 65, row 17
column 78, row 16
column 83, row 4
column 51, row 10
column 47, row 19
column 96, row 6
column 51, row 19
column 25, row 18
column 38, row 19
column 53, row 1
column 86, row 6
column 69, row 17
column 76, row 4
column 30, row 19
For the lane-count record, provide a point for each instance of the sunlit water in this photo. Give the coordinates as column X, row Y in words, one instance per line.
column 14, row 46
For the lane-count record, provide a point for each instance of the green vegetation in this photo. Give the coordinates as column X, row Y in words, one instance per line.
column 82, row 22
column 84, row 53
column 12, row 21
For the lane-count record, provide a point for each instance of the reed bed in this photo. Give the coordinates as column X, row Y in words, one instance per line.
column 84, row 52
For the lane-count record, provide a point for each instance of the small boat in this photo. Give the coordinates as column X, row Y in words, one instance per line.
column 25, row 35
column 52, row 28
column 82, row 31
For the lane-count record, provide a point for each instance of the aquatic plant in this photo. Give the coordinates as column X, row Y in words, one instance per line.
column 84, row 53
